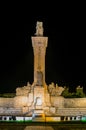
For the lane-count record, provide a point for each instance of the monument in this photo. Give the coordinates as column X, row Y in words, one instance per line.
column 38, row 100
column 39, row 43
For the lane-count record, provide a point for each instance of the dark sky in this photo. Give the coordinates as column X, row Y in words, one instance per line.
column 65, row 56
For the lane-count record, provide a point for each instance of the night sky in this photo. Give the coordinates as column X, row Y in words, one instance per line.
column 65, row 54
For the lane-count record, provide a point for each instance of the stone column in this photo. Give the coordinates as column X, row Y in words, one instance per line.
column 39, row 44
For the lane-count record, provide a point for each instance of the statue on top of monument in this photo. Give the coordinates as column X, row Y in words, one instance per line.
column 39, row 29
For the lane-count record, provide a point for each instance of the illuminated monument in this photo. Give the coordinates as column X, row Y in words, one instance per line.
column 39, row 99
column 39, row 43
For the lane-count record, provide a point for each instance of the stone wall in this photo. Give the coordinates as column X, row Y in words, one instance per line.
column 21, row 101
column 75, row 102
column 57, row 101
column 6, row 102
column 10, row 111
column 60, row 102
column 18, row 101
column 71, row 111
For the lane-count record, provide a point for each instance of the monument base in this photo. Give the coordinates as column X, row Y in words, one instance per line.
column 38, row 116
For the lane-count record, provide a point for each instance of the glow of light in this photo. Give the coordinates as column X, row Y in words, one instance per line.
column 39, row 101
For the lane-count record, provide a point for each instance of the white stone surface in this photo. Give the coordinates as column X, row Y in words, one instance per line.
column 57, row 101
column 23, row 91
column 52, row 110
column 75, row 102
column 20, row 101
column 6, row 102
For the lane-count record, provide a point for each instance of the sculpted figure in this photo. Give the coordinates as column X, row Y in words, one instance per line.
column 59, row 90
column 39, row 29
column 51, row 88
column 22, row 91
column 55, row 90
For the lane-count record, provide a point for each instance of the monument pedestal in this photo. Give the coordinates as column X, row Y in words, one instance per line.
column 38, row 97
column 39, row 44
